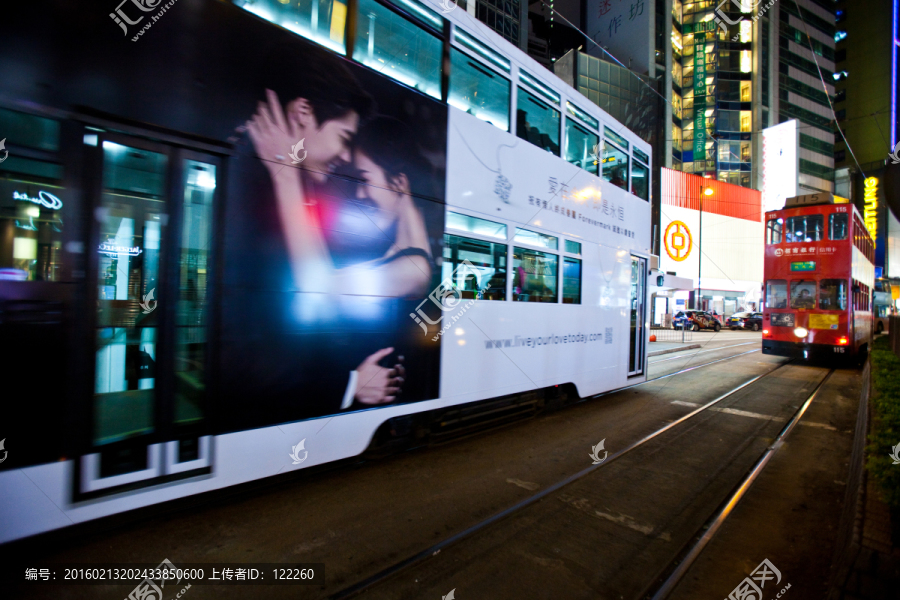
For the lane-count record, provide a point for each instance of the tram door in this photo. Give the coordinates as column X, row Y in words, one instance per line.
column 153, row 215
column 637, row 333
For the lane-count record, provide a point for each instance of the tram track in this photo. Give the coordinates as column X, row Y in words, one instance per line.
column 679, row 567
column 435, row 549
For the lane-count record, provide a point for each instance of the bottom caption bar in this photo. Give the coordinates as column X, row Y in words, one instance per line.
column 158, row 577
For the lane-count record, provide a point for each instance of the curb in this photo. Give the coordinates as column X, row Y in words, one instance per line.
column 671, row 350
column 850, row 529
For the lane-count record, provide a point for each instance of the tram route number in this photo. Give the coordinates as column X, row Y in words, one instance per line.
column 838, row 350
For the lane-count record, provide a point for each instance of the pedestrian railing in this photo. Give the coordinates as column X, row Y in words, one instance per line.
column 672, row 335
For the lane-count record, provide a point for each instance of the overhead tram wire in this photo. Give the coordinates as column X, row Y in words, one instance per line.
column 825, row 89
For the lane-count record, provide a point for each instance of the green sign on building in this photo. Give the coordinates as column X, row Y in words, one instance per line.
column 699, row 103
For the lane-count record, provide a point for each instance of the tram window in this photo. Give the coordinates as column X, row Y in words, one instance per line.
column 321, row 21
column 776, row 293
column 573, row 247
column 640, row 180
column 31, row 201
column 773, row 231
column 524, row 236
column 615, row 166
column 832, row 294
column 481, row 227
column 534, row 275
column 537, row 122
column 581, row 146
column 398, row 48
column 805, row 228
column 803, row 293
column 478, row 90
column 488, row 260
column 837, row 226
column 571, row 281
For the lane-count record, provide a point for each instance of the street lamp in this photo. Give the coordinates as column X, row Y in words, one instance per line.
column 704, row 191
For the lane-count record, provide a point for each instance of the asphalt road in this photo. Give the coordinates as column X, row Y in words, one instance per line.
column 609, row 534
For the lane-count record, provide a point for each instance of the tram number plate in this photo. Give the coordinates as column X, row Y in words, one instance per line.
column 838, row 349
column 783, row 319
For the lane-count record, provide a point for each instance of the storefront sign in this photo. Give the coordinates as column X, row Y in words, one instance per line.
column 45, row 199
column 113, row 250
column 870, row 213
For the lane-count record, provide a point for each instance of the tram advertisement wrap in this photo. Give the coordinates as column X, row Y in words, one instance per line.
column 333, row 223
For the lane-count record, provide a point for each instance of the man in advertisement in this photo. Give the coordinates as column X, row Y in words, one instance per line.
column 345, row 189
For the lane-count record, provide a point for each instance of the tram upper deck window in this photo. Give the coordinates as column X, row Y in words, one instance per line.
column 581, row 146
column 803, row 293
column 481, row 227
column 573, row 247
column 533, row 238
column 838, row 226
column 399, row 48
column 534, row 275
column 537, row 122
column 478, row 90
column 31, row 199
column 773, row 231
column 640, row 180
column 487, row 273
column 832, row 294
column 776, row 293
column 321, row 21
column 805, row 228
column 615, row 166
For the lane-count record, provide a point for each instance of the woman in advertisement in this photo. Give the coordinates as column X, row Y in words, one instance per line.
column 314, row 141
column 387, row 162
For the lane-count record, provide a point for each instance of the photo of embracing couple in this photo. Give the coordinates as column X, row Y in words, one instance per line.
column 335, row 221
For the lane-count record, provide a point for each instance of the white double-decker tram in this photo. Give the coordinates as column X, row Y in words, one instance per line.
column 197, row 359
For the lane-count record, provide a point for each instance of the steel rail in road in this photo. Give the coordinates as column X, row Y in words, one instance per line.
column 435, row 549
column 656, row 362
column 728, row 506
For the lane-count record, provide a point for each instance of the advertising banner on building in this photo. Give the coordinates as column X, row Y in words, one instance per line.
column 623, row 27
column 780, row 164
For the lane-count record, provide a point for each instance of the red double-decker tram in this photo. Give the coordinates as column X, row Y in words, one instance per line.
column 819, row 275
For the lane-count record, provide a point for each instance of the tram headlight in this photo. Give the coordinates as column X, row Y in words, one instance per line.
column 801, row 332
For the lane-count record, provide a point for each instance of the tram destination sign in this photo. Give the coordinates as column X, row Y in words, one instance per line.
column 809, row 200
column 804, row 265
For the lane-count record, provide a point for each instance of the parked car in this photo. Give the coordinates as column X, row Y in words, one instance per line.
column 695, row 320
column 745, row 320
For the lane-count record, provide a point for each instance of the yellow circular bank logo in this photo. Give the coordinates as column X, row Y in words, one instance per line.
column 677, row 240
